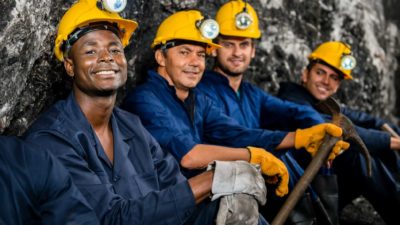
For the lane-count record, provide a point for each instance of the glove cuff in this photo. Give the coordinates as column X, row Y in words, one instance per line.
column 299, row 139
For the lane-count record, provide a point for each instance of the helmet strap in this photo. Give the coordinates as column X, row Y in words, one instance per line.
column 177, row 42
column 79, row 32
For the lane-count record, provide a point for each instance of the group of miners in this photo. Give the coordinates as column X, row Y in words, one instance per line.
column 190, row 145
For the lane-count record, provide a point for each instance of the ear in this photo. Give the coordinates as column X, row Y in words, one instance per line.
column 214, row 53
column 253, row 52
column 304, row 76
column 160, row 58
column 69, row 66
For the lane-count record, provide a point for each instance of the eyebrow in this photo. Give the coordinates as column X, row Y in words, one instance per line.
column 193, row 50
column 93, row 43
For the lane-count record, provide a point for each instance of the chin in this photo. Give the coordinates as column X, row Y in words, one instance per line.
column 322, row 98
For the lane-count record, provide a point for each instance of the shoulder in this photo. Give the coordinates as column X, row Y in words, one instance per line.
column 25, row 156
column 50, row 119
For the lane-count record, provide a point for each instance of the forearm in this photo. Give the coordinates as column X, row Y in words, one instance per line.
column 202, row 154
column 201, row 185
column 287, row 142
column 395, row 144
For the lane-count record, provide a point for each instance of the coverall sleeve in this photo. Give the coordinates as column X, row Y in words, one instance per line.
column 284, row 115
column 377, row 142
column 366, row 120
column 172, row 205
column 159, row 121
column 224, row 130
column 60, row 201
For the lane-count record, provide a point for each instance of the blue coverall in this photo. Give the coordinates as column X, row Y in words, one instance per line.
column 179, row 126
column 36, row 189
column 142, row 186
column 383, row 189
column 254, row 108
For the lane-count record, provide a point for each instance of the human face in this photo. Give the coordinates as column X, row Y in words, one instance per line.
column 235, row 56
column 97, row 63
column 182, row 66
column 321, row 81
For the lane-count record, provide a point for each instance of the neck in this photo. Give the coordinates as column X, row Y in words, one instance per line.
column 234, row 81
column 97, row 110
column 181, row 92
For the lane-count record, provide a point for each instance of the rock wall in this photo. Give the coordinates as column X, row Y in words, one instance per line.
column 31, row 78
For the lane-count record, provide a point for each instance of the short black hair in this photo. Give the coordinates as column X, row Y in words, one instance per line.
column 312, row 63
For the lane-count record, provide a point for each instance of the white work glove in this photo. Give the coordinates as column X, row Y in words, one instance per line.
column 232, row 177
column 238, row 209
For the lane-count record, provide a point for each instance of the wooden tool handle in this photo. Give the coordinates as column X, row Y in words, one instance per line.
column 305, row 180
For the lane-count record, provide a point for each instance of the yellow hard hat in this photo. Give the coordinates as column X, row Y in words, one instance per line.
column 238, row 19
column 337, row 54
column 187, row 25
column 87, row 12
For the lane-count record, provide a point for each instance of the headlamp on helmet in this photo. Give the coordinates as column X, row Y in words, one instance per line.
column 208, row 28
column 114, row 6
column 337, row 55
column 243, row 19
column 348, row 62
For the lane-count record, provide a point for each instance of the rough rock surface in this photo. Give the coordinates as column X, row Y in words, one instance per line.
column 31, row 78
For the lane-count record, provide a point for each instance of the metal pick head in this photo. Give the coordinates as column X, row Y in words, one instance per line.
column 114, row 6
column 209, row 28
column 348, row 62
column 243, row 20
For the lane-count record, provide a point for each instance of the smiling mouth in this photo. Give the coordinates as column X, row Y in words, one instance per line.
column 105, row 72
column 322, row 89
column 192, row 73
column 236, row 62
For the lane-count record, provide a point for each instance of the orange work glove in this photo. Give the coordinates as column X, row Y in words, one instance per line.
column 271, row 166
column 311, row 139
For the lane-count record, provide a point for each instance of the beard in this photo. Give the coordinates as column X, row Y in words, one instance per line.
column 227, row 71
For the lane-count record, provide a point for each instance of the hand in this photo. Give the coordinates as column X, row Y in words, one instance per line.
column 271, row 166
column 232, row 177
column 311, row 138
column 237, row 209
column 339, row 147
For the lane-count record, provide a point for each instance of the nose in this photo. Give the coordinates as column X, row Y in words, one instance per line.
column 196, row 60
column 325, row 79
column 236, row 51
column 105, row 56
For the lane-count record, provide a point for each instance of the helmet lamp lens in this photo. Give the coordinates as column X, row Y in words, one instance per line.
column 114, row 6
column 243, row 20
column 209, row 28
column 348, row 62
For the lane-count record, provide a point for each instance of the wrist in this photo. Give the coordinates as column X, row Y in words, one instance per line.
column 248, row 148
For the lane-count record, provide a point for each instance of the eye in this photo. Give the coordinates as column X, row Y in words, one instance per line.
column 244, row 44
column 202, row 55
column 116, row 51
column 320, row 72
column 335, row 78
column 226, row 44
column 184, row 52
column 90, row 52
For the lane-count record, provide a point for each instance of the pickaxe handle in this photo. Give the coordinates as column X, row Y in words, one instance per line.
column 309, row 174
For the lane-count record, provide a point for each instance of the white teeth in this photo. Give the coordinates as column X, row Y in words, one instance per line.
column 105, row 72
column 322, row 89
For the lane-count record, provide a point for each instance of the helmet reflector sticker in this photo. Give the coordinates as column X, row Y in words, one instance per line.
column 348, row 62
column 209, row 28
column 243, row 20
column 114, row 6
